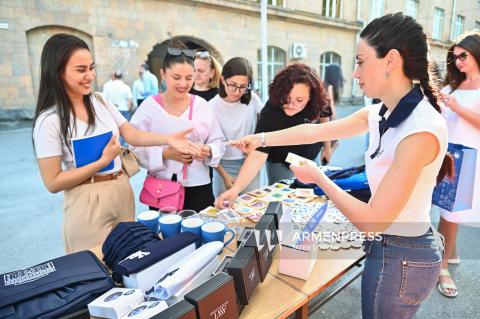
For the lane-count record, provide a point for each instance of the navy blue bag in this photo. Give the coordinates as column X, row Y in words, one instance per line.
column 54, row 288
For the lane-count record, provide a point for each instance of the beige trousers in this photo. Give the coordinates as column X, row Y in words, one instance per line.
column 92, row 210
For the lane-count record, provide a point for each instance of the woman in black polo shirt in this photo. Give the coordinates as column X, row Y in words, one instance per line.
column 297, row 96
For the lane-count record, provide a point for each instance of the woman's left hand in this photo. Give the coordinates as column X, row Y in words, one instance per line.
column 306, row 173
column 179, row 142
column 205, row 152
column 450, row 101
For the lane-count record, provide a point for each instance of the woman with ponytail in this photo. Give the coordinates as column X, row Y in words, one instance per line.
column 461, row 97
column 405, row 159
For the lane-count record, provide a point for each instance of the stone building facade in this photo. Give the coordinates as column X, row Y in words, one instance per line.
column 124, row 34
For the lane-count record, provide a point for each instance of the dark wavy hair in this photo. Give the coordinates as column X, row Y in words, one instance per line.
column 282, row 84
column 470, row 42
column 169, row 59
column 52, row 93
column 233, row 67
column 403, row 33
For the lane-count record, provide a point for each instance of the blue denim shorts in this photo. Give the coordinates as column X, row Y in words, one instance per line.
column 399, row 274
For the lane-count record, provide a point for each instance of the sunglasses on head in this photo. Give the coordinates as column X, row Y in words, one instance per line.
column 177, row 52
column 462, row 56
column 202, row 54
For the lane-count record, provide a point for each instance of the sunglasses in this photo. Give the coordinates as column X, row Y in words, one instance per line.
column 202, row 54
column 177, row 52
column 462, row 57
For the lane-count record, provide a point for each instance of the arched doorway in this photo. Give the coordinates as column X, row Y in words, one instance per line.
column 156, row 56
column 36, row 39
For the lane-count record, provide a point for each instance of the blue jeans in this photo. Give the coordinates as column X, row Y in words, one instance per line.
column 399, row 274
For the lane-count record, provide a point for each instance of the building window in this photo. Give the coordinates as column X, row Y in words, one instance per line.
column 275, row 3
column 412, row 8
column 377, row 9
column 438, row 17
column 477, row 25
column 276, row 60
column 326, row 59
column 459, row 23
column 332, row 8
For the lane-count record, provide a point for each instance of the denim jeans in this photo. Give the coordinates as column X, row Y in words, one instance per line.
column 399, row 274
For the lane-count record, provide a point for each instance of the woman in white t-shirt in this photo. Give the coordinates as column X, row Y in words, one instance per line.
column 405, row 159
column 461, row 98
column 66, row 108
column 236, row 108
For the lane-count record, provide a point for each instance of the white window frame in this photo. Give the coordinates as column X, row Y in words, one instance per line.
column 272, row 64
column 274, row 3
column 477, row 25
column 332, row 12
column 330, row 56
column 438, row 21
column 459, row 26
column 412, row 8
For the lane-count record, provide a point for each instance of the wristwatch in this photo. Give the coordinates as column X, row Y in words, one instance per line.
column 262, row 139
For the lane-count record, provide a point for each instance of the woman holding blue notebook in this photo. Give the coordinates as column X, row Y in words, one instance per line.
column 98, row 194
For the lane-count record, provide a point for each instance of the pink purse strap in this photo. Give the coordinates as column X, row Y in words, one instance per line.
column 159, row 99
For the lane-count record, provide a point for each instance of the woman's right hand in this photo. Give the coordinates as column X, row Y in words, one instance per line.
column 173, row 154
column 111, row 150
column 228, row 180
column 247, row 143
column 226, row 199
column 179, row 142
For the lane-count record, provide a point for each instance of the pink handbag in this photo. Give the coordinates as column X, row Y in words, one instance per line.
column 160, row 193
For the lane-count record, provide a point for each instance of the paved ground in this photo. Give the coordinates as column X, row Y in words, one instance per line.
column 30, row 231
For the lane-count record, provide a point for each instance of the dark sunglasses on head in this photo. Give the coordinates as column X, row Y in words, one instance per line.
column 462, row 56
column 177, row 52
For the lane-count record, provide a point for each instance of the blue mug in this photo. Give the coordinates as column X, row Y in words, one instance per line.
column 215, row 231
column 150, row 219
column 193, row 225
column 170, row 225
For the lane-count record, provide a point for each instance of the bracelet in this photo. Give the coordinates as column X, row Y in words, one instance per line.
column 262, row 139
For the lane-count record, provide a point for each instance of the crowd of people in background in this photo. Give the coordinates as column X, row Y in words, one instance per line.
column 215, row 104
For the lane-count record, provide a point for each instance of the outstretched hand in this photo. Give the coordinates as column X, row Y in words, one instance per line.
column 306, row 173
column 179, row 142
column 246, row 144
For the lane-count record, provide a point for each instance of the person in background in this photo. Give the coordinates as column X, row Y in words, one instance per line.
column 207, row 75
column 461, row 99
column 297, row 96
column 150, row 81
column 163, row 113
column 334, row 82
column 236, row 108
column 406, row 159
column 94, row 203
column 137, row 92
column 119, row 94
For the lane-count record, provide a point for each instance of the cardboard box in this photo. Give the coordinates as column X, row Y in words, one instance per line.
column 146, row 278
column 258, row 241
column 275, row 209
column 267, row 223
column 215, row 298
column 146, row 309
column 180, row 310
column 244, row 269
column 115, row 303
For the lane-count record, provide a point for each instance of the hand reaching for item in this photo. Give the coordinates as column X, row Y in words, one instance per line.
column 306, row 173
column 179, row 142
column 247, row 143
column 226, row 199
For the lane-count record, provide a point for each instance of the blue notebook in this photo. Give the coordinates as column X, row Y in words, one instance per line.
column 89, row 149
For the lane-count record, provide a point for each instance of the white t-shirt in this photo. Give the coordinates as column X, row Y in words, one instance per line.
column 236, row 120
column 414, row 219
column 118, row 94
column 47, row 134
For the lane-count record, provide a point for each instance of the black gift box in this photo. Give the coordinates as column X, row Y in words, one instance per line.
column 247, row 231
column 180, row 310
column 244, row 270
column 275, row 209
column 258, row 241
column 223, row 265
column 215, row 298
column 267, row 222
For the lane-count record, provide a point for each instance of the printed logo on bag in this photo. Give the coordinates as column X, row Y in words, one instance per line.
column 220, row 311
column 139, row 254
column 252, row 275
column 28, row 275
